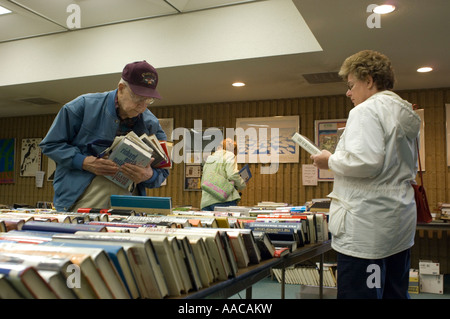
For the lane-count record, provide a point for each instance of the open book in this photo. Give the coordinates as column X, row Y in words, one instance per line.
column 306, row 144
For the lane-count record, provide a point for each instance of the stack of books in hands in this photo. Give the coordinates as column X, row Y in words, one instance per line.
column 137, row 150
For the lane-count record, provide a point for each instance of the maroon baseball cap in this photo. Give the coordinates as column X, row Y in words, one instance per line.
column 142, row 78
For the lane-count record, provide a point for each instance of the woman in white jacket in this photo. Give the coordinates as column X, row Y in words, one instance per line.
column 373, row 212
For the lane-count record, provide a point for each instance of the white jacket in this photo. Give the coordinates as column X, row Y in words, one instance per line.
column 373, row 212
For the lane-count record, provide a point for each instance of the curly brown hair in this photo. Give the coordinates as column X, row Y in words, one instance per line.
column 368, row 62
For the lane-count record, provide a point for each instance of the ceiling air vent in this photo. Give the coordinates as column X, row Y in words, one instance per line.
column 320, row 78
column 39, row 101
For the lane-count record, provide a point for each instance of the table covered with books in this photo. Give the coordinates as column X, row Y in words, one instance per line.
column 128, row 252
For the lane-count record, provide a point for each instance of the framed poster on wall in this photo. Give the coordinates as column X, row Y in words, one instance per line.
column 7, row 158
column 267, row 139
column 167, row 126
column 30, row 157
column 327, row 134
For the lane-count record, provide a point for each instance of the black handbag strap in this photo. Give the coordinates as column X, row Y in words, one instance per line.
column 414, row 106
column 420, row 166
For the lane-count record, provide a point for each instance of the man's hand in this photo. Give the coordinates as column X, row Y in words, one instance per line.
column 100, row 166
column 137, row 173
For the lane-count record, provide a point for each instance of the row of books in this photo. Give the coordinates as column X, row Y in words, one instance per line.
column 144, row 259
column 307, row 275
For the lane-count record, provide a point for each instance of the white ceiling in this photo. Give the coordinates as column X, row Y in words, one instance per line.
column 416, row 34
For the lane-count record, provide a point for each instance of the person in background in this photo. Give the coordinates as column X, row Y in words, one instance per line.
column 223, row 161
column 373, row 210
column 84, row 127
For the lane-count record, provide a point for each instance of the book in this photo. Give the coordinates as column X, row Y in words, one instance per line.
column 125, row 149
column 280, row 252
column 147, row 204
column 201, row 257
column 187, row 251
column 7, row 290
column 306, row 144
column 61, row 227
column 189, row 276
column 160, row 153
column 264, row 243
column 245, row 173
column 126, row 212
column 320, row 206
column 27, row 281
column 238, row 244
column 57, row 281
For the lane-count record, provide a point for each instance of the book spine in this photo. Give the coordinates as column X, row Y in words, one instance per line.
column 61, row 227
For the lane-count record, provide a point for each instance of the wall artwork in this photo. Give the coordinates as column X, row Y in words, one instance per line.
column 327, row 134
column 267, row 139
column 30, row 157
column 7, row 158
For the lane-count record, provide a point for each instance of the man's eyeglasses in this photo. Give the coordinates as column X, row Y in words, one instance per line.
column 140, row 99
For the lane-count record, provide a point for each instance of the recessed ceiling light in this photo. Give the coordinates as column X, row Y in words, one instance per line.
column 384, row 8
column 238, row 84
column 4, row 10
column 425, row 69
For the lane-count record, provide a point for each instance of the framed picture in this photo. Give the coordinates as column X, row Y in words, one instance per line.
column 30, row 157
column 267, row 139
column 51, row 168
column 167, row 126
column 327, row 133
column 7, row 158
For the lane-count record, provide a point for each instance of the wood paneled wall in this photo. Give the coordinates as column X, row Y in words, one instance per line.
column 286, row 184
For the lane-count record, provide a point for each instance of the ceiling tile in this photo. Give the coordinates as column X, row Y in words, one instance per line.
column 98, row 12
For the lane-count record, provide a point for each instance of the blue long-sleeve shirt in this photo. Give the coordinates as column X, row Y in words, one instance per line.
column 86, row 119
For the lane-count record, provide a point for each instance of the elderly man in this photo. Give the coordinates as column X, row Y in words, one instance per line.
column 87, row 125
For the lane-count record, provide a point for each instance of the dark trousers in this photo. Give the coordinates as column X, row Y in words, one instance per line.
column 386, row 278
column 211, row 207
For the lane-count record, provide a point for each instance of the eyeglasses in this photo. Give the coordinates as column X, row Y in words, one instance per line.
column 140, row 99
column 350, row 85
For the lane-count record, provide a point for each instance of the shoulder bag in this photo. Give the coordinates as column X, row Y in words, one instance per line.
column 217, row 185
